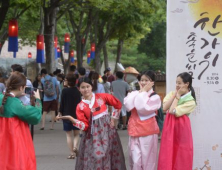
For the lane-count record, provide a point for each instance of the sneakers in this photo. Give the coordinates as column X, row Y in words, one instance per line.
column 42, row 128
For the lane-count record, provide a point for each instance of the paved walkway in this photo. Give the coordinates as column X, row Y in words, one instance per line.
column 51, row 148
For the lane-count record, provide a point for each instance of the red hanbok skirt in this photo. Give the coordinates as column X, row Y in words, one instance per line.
column 102, row 150
column 176, row 148
column 16, row 146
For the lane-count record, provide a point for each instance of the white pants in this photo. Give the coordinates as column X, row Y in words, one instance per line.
column 143, row 152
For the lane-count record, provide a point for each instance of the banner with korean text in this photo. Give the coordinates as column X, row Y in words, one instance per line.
column 194, row 45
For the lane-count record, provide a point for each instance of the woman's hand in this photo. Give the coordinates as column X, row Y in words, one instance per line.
column 182, row 91
column 112, row 123
column 147, row 87
column 59, row 115
column 36, row 94
column 66, row 118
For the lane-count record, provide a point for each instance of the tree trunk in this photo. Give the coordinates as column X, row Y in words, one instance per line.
column 3, row 11
column 97, row 61
column 106, row 62
column 3, row 37
column 63, row 62
column 119, row 52
column 98, row 48
column 41, row 31
column 79, row 50
column 49, row 31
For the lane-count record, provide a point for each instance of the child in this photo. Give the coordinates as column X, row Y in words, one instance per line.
column 142, row 126
column 176, row 149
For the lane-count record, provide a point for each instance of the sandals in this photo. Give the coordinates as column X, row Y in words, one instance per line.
column 71, row 156
column 75, row 150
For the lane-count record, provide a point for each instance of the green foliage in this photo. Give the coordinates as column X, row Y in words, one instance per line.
column 154, row 44
column 129, row 21
column 132, row 57
column 27, row 13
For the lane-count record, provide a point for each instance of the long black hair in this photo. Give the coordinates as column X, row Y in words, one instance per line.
column 187, row 78
column 94, row 78
column 84, row 80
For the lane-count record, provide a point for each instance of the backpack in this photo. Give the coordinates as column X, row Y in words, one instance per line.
column 159, row 116
column 49, row 89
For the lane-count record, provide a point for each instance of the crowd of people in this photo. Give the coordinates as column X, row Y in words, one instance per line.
column 91, row 107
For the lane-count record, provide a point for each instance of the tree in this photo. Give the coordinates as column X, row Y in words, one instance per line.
column 17, row 10
column 3, row 11
column 124, row 21
column 154, row 46
column 81, row 18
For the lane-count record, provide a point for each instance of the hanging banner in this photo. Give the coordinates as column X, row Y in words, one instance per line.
column 194, row 45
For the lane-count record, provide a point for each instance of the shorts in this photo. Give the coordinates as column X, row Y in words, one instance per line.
column 68, row 126
column 123, row 111
column 50, row 106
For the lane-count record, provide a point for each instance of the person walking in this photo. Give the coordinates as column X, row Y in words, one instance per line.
column 106, row 84
column 100, row 146
column 69, row 99
column 97, row 87
column 51, row 96
column 142, row 126
column 108, row 74
column 176, row 148
column 120, row 88
column 38, row 85
column 16, row 146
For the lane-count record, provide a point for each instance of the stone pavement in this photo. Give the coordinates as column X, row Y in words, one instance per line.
column 52, row 151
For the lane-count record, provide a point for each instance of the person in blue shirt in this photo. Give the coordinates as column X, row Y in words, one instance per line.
column 50, row 98
column 97, row 87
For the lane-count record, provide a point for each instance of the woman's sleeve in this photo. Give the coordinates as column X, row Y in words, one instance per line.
column 113, row 101
column 168, row 97
column 30, row 114
column 185, row 108
column 129, row 100
column 146, row 105
column 81, row 122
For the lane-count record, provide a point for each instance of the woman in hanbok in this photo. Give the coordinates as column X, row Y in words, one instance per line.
column 142, row 126
column 100, row 147
column 16, row 146
column 176, row 149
